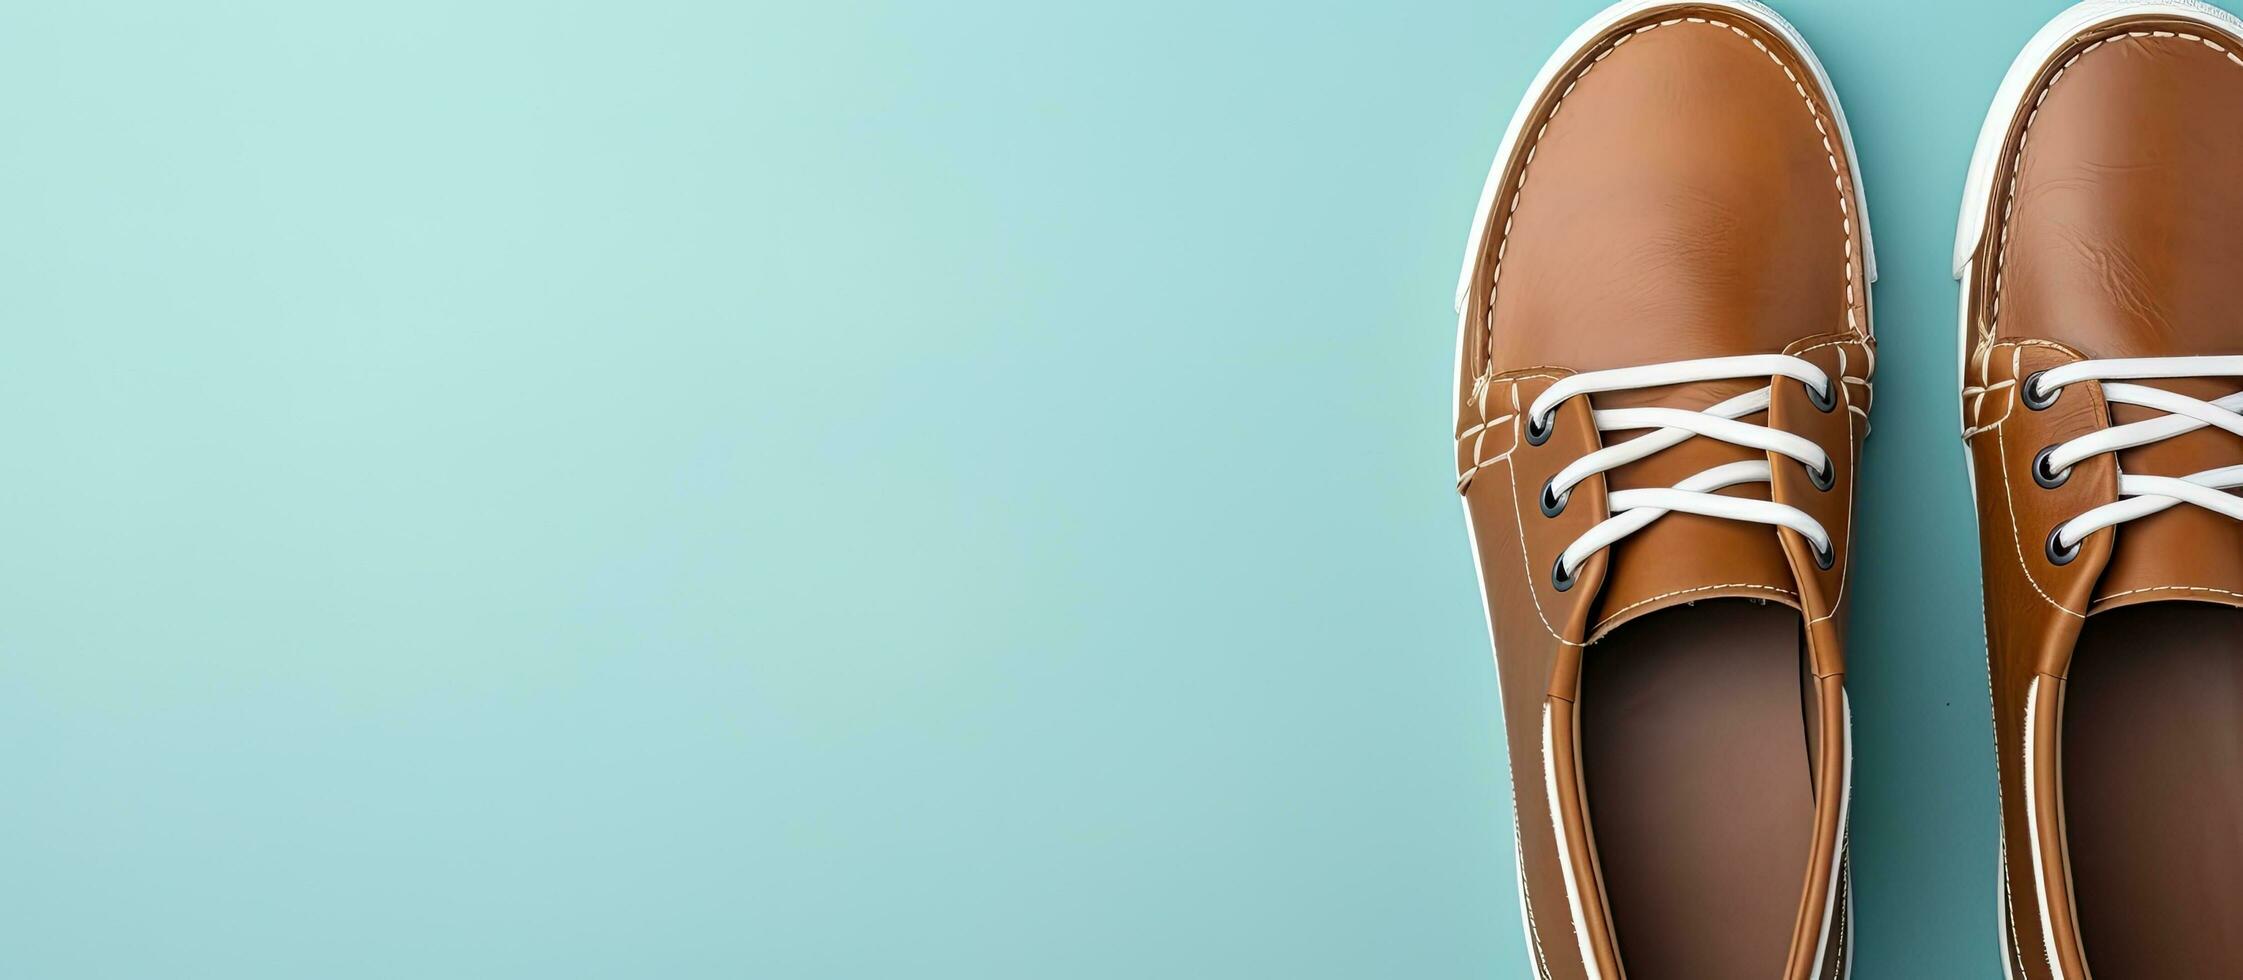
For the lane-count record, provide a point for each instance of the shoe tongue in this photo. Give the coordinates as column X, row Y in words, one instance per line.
column 2183, row 552
column 1685, row 558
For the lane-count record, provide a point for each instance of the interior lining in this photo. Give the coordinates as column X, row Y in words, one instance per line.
column 1695, row 754
column 2152, row 758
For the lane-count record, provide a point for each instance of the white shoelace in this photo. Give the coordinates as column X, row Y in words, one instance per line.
column 1633, row 510
column 2139, row 496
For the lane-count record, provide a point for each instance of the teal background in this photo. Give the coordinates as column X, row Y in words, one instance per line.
column 837, row 490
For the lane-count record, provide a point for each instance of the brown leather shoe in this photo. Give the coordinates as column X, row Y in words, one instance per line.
column 1663, row 370
column 2101, row 241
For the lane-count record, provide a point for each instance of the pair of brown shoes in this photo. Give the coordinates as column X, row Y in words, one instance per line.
column 1664, row 357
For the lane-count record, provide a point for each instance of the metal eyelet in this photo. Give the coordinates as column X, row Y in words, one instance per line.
column 1825, row 400
column 1826, row 477
column 1824, row 557
column 2028, row 393
column 2043, row 476
column 1552, row 504
column 1561, row 578
column 1538, row 429
column 2057, row 553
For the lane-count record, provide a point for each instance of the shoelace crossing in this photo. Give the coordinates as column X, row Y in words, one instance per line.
column 2139, row 496
column 1633, row 510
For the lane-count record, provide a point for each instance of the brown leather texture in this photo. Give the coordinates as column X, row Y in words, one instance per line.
column 1680, row 191
column 2115, row 229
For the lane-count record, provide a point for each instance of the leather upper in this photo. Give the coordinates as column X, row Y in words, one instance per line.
column 2115, row 230
column 1680, row 191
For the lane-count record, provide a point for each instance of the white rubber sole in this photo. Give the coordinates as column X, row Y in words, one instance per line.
column 1573, row 45
column 1970, row 225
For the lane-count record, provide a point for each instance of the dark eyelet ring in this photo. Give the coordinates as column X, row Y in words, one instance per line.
column 2057, row 553
column 1559, row 577
column 1826, row 477
column 1552, row 504
column 1824, row 557
column 2044, row 477
column 1538, row 429
column 1825, row 400
column 2033, row 401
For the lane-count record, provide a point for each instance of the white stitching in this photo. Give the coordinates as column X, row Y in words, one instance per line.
column 1518, row 520
column 1853, row 466
column 2171, row 588
column 2009, row 498
column 1845, row 887
column 1475, row 430
column 1622, row 611
column 2017, row 157
column 2016, row 367
column 1853, row 463
column 1518, row 188
column 1478, row 433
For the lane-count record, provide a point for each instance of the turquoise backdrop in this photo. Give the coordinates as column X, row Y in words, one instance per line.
column 960, row 490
